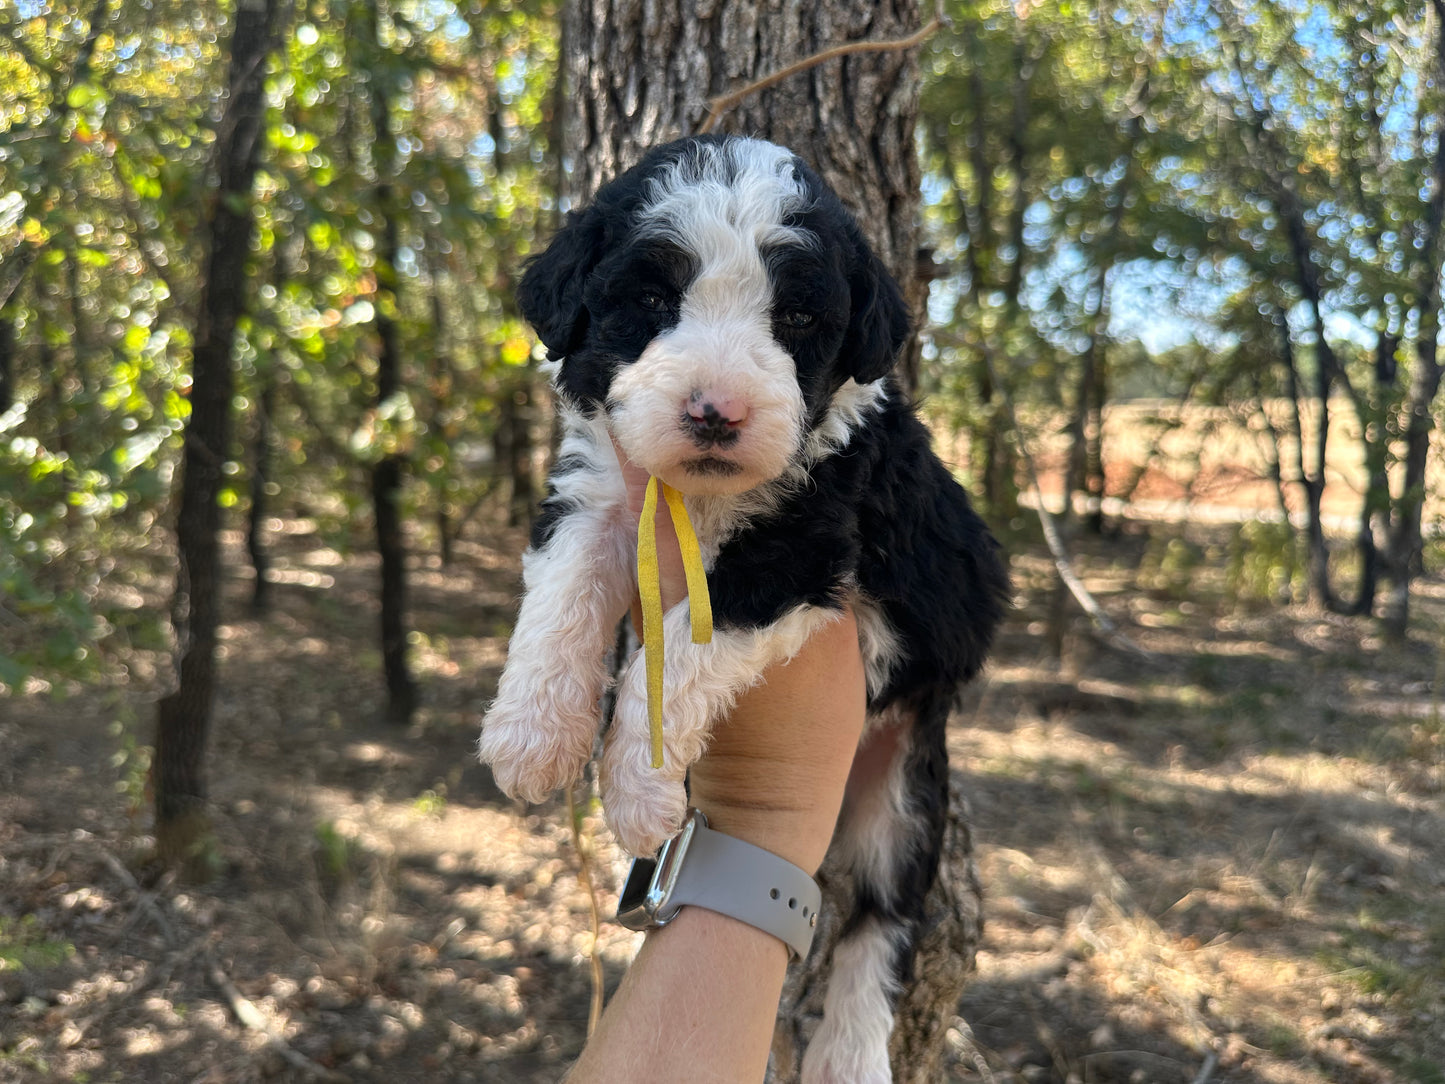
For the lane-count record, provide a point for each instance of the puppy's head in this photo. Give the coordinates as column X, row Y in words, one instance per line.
column 710, row 301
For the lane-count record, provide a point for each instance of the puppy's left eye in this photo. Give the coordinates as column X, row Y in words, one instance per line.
column 797, row 318
column 652, row 301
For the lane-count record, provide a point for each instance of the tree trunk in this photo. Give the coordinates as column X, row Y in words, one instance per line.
column 388, row 475
column 1375, row 503
column 996, row 473
column 260, row 476
column 853, row 120
column 387, row 479
column 1405, row 547
column 183, row 718
column 1406, row 539
column 441, row 390
column 1317, row 548
column 515, row 428
column 7, row 360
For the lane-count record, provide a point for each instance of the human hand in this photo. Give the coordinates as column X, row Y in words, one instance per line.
column 775, row 771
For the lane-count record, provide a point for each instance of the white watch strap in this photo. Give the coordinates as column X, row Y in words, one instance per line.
column 750, row 884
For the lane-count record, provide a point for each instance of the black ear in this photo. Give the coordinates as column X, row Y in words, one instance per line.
column 879, row 324
column 550, row 294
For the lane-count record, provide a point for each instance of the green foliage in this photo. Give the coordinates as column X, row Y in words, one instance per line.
column 1264, row 563
column 338, row 856
column 24, row 945
column 1241, row 189
column 431, row 802
column 1125, row 186
column 131, row 760
column 105, row 173
column 1168, row 565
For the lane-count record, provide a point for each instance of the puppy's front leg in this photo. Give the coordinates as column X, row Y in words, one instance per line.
column 700, row 684
column 538, row 734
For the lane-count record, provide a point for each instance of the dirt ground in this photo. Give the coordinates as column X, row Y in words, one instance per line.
column 1225, row 863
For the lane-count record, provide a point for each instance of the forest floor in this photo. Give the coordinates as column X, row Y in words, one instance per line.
column 1226, row 864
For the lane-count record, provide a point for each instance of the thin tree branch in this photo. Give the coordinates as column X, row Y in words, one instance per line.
column 1108, row 631
column 723, row 102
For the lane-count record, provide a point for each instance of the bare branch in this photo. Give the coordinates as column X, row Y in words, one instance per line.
column 723, row 102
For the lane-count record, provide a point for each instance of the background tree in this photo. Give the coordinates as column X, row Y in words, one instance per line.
column 853, row 119
column 183, row 717
column 391, row 405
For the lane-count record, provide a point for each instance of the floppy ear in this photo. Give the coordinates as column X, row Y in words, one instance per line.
column 550, row 294
column 879, row 324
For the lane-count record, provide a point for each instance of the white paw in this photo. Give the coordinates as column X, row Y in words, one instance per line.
column 837, row 1057
column 644, row 805
column 532, row 753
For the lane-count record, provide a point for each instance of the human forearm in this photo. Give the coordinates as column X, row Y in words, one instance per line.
column 697, row 1004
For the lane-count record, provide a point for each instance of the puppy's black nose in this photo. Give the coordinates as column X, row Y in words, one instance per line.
column 710, row 425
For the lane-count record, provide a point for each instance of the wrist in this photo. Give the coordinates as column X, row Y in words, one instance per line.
column 794, row 835
column 713, row 870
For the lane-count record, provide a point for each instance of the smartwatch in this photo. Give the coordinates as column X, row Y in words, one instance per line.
column 699, row 867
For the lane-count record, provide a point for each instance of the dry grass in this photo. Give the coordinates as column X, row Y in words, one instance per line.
column 1229, row 867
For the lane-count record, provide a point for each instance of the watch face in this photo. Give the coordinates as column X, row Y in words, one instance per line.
column 632, row 907
column 649, row 885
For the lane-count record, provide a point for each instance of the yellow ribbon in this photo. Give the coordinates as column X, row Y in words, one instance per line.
column 649, row 587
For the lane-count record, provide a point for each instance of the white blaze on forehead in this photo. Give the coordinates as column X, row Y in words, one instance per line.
column 724, row 203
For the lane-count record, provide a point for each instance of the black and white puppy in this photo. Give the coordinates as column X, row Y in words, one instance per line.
column 717, row 313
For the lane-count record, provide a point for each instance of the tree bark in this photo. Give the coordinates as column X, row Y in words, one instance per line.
column 998, row 468
column 388, row 476
column 1317, row 548
column 260, row 476
column 638, row 76
column 1405, row 544
column 441, row 388
column 183, row 718
column 7, row 360
column 387, row 480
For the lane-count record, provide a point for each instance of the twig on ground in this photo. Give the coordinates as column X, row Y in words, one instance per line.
column 971, row 1052
column 253, row 1019
column 145, row 900
column 1207, row 1069
column 244, row 1010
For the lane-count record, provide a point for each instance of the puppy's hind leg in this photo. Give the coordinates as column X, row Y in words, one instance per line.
column 889, row 835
